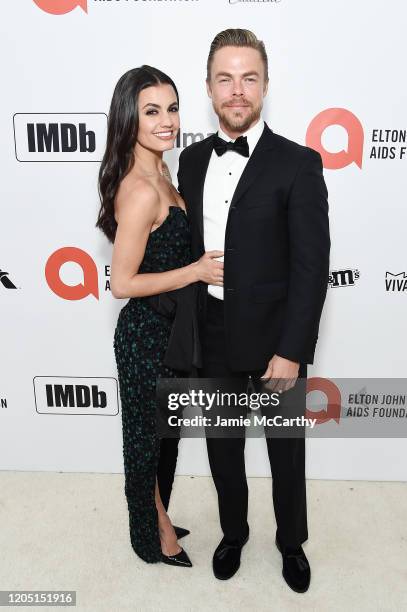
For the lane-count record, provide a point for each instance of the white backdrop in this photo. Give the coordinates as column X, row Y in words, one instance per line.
column 61, row 69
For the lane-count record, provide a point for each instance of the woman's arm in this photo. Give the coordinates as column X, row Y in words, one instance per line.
column 137, row 213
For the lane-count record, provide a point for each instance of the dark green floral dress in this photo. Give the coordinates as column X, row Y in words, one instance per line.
column 140, row 342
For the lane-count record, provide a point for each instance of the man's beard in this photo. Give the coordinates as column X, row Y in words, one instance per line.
column 238, row 123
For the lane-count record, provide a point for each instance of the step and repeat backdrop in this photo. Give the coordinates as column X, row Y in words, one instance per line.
column 336, row 84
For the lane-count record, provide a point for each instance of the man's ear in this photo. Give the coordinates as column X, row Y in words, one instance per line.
column 208, row 89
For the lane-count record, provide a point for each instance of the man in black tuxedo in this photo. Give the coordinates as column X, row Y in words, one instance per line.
column 262, row 200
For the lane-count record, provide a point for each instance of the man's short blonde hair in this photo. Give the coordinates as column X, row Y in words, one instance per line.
column 236, row 37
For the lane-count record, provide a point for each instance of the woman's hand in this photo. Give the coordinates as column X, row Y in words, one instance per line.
column 208, row 269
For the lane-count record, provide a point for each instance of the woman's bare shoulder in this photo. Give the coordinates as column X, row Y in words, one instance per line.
column 138, row 198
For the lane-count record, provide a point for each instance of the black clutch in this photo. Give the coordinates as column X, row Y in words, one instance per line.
column 181, row 306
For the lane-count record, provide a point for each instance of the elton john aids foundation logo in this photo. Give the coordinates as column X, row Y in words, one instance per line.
column 354, row 129
column 76, row 291
column 61, row 7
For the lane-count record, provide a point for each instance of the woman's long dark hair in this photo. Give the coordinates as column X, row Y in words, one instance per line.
column 122, row 130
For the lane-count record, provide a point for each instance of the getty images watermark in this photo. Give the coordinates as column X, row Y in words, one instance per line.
column 210, row 401
column 314, row 407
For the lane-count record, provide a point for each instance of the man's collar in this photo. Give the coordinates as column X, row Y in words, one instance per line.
column 253, row 134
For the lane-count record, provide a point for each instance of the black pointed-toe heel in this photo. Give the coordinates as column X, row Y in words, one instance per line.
column 181, row 559
column 181, row 532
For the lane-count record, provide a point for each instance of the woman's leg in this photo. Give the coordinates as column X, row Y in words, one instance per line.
column 166, row 468
column 169, row 544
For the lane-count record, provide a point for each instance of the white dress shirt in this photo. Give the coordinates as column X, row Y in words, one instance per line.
column 222, row 177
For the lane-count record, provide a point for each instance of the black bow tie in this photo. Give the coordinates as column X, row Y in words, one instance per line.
column 240, row 145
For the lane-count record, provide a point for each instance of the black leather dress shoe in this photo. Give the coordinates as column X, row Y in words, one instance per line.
column 296, row 569
column 181, row 532
column 226, row 558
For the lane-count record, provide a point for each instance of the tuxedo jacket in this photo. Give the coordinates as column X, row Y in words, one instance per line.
column 276, row 250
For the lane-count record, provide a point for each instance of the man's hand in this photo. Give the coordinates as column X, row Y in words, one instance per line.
column 283, row 373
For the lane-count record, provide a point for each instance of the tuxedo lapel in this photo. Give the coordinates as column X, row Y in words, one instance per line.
column 255, row 164
column 199, row 174
column 253, row 167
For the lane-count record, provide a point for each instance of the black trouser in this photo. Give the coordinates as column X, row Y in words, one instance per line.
column 226, row 455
